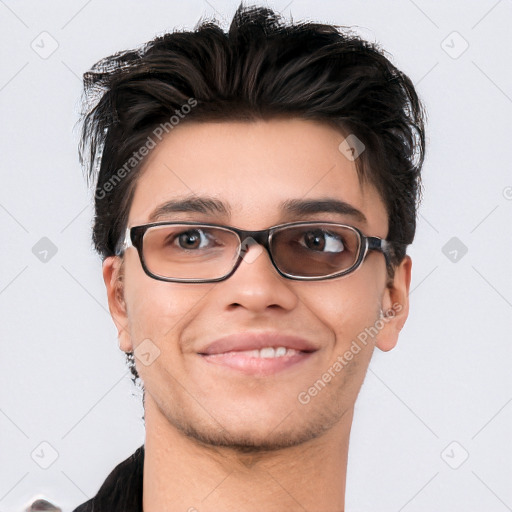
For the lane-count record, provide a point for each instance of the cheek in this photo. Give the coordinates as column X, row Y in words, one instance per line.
column 159, row 310
column 349, row 304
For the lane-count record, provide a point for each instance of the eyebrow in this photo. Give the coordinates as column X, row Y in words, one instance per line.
column 196, row 204
column 291, row 207
column 308, row 207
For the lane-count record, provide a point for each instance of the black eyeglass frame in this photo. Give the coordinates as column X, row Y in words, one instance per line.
column 134, row 238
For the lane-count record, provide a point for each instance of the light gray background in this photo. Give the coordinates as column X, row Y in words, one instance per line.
column 443, row 393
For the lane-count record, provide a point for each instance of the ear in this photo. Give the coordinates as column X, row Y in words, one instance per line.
column 113, row 278
column 395, row 305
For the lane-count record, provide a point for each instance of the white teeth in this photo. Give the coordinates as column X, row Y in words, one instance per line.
column 280, row 351
column 268, row 352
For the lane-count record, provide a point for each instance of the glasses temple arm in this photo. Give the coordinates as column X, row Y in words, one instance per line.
column 123, row 244
column 383, row 246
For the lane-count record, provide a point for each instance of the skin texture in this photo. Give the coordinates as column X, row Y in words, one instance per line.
column 217, row 439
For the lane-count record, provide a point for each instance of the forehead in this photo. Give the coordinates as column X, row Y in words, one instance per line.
column 254, row 171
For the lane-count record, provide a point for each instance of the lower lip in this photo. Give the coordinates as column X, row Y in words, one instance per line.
column 256, row 365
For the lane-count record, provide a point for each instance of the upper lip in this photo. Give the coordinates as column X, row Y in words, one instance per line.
column 255, row 341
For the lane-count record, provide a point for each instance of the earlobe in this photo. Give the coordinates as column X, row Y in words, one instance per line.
column 113, row 278
column 395, row 306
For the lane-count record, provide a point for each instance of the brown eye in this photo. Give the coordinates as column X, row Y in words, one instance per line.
column 190, row 239
column 320, row 240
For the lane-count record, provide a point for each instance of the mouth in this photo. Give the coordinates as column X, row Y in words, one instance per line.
column 258, row 353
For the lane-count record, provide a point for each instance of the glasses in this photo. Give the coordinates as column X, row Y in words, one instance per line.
column 191, row 252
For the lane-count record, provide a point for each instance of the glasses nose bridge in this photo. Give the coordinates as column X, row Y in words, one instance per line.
column 248, row 238
column 261, row 237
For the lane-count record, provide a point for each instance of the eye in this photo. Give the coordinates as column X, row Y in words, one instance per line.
column 320, row 240
column 192, row 239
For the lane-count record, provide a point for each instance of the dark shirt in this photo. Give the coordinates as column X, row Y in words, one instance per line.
column 122, row 490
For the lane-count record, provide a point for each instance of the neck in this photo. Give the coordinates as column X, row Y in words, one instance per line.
column 182, row 474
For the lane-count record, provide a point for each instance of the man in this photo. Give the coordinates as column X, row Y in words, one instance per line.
column 255, row 194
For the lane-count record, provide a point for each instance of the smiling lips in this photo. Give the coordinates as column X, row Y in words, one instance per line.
column 258, row 353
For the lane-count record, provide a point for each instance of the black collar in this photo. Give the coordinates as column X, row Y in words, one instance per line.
column 122, row 490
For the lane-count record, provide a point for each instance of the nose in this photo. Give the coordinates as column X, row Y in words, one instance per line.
column 256, row 284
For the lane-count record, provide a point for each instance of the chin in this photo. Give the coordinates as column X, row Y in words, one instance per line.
column 269, row 435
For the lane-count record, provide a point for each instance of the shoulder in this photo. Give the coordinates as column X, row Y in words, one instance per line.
column 88, row 506
column 122, row 490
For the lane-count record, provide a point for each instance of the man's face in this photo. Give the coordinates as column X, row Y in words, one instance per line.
column 253, row 168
